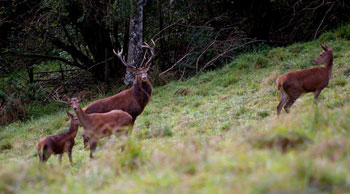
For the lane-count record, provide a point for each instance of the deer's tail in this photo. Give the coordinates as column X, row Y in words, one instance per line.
column 39, row 148
column 278, row 83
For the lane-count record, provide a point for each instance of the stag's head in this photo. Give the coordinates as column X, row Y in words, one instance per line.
column 325, row 56
column 140, row 71
column 75, row 102
column 73, row 118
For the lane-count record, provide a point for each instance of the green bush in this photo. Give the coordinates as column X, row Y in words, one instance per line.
column 343, row 32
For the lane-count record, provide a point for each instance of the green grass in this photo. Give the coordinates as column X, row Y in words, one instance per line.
column 215, row 133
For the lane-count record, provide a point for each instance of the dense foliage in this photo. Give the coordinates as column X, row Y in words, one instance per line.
column 191, row 36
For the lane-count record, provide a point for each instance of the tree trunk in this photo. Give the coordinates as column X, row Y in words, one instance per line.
column 135, row 37
column 161, row 27
column 30, row 73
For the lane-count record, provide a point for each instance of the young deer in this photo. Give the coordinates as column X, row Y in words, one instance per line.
column 291, row 85
column 99, row 125
column 132, row 100
column 60, row 143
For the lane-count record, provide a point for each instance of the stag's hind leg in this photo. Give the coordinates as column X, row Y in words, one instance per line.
column 293, row 94
column 47, row 151
column 289, row 103
column 282, row 102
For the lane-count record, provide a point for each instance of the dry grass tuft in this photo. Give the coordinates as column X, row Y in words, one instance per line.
column 270, row 80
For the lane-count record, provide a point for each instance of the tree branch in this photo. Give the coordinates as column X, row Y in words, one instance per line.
column 31, row 55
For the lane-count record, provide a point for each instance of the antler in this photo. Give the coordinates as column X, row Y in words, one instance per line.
column 324, row 47
column 56, row 97
column 148, row 63
column 122, row 59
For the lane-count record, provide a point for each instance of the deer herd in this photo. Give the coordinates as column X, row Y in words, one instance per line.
column 117, row 114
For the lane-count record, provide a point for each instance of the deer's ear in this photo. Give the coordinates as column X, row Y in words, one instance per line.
column 327, row 47
column 65, row 97
column 324, row 47
column 132, row 69
column 79, row 96
column 70, row 115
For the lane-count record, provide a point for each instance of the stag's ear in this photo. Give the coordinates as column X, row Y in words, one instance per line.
column 324, row 47
column 70, row 115
column 65, row 97
column 132, row 69
column 79, row 96
column 327, row 47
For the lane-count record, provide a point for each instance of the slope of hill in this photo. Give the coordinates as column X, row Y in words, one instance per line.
column 215, row 133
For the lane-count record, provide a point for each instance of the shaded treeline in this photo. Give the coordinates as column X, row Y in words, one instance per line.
column 191, row 35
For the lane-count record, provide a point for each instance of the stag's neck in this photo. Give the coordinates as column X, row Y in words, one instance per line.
column 142, row 91
column 329, row 65
column 83, row 117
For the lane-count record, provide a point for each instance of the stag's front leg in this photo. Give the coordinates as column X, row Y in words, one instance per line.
column 70, row 156
column 316, row 94
column 93, row 144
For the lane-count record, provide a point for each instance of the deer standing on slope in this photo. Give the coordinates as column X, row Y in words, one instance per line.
column 99, row 125
column 134, row 99
column 291, row 85
column 60, row 143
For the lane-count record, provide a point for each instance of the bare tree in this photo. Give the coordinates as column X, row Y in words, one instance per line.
column 135, row 37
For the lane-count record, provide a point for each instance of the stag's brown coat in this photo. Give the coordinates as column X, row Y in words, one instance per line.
column 291, row 85
column 132, row 100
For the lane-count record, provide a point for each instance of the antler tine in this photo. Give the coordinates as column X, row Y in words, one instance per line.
column 144, row 58
column 57, row 98
column 148, row 63
column 121, row 58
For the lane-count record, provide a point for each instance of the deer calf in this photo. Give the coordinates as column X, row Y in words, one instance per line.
column 99, row 125
column 291, row 85
column 60, row 143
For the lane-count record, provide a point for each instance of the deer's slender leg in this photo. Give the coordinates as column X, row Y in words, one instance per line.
column 70, row 156
column 289, row 103
column 93, row 144
column 316, row 94
column 282, row 102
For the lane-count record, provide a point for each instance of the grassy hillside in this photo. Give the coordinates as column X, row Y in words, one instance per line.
column 215, row 133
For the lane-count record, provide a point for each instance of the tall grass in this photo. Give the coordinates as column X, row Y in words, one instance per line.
column 215, row 133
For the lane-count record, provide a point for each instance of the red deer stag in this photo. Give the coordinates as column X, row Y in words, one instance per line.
column 134, row 99
column 60, row 143
column 291, row 85
column 99, row 125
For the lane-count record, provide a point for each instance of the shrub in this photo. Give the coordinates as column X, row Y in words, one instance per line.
column 328, row 36
column 12, row 110
column 343, row 32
